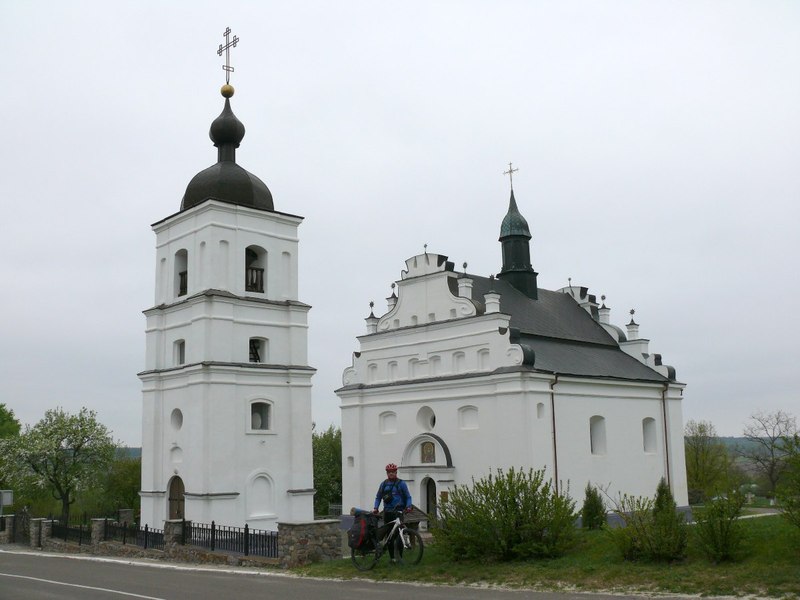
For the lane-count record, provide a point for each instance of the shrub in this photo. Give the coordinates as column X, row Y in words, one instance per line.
column 593, row 512
column 632, row 539
column 718, row 531
column 652, row 529
column 789, row 491
column 509, row 515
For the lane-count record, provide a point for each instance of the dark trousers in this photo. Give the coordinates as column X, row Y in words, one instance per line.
column 396, row 542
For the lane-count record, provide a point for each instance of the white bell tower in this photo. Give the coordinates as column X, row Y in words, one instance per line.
column 226, row 385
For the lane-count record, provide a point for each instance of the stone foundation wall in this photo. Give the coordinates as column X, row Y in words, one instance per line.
column 310, row 541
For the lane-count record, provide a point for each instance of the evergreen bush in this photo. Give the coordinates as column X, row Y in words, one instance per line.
column 593, row 512
column 718, row 531
column 671, row 535
column 512, row 514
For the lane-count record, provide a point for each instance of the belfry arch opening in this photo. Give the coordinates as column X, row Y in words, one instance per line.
column 255, row 266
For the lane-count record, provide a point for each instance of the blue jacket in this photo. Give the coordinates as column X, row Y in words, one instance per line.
column 400, row 496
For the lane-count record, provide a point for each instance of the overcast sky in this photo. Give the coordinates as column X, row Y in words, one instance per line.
column 658, row 147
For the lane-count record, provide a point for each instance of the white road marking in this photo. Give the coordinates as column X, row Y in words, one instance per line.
column 84, row 587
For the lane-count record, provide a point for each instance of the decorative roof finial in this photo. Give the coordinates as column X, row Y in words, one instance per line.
column 227, row 89
column 371, row 305
column 510, row 174
column 425, row 248
column 465, row 267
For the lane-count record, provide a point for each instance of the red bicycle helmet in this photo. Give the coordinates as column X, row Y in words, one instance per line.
column 391, row 467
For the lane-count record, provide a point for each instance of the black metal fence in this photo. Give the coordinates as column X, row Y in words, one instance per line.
column 235, row 540
column 79, row 533
column 144, row 537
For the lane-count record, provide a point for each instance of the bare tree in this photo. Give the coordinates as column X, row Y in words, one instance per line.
column 768, row 436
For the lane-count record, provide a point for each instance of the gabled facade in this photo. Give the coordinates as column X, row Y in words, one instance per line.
column 226, row 385
column 464, row 374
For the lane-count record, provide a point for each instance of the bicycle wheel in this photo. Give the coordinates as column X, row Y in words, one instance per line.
column 364, row 559
column 412, row 547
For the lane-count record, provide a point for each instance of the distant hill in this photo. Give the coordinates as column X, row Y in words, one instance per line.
column 126, row 452
column 732, row 443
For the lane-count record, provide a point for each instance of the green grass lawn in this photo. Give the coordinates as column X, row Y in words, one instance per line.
column 771, row 567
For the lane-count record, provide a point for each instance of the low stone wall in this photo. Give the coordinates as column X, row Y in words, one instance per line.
column 298, row 544
column 309, row 541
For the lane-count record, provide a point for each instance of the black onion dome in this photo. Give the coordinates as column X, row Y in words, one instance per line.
column 226, row 128
column 226, row 181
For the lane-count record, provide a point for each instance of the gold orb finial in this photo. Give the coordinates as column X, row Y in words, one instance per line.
column 227, row 90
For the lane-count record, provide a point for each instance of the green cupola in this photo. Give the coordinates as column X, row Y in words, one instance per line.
column 515, row 238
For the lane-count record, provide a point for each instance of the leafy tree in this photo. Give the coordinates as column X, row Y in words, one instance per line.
column 118, row 488
column 327, row 452
column 768, row 435
column 708, row 464
column 63, row 453
column 9, row 425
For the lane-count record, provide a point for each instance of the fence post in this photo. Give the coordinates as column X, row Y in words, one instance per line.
column 183, row 532
column 213, row 536
column 146, row 530
column 97, row 533
column 246, row 539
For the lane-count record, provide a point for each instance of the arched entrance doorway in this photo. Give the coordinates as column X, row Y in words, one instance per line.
column 176, row 498
column 429, row 488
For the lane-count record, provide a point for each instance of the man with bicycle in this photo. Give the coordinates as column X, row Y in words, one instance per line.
column 396, row 498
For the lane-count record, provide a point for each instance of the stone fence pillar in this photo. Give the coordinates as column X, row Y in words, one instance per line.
column 309, row 541
column 125, row 515
column 6, row 529
column 98, row 532
column 174, row 535
column 41, row 530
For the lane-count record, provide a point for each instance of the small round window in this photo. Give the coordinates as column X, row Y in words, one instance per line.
column 176, row 419
column 426, row 418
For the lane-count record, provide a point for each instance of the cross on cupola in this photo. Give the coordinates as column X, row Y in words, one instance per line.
column 229, row 43
column 510, row 174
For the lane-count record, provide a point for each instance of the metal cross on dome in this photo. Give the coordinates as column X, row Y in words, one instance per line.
column 510, row 174
column 229, row 43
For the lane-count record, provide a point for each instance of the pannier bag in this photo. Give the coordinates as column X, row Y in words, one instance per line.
column 361, row 535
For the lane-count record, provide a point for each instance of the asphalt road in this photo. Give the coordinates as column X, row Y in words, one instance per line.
column 34, row 575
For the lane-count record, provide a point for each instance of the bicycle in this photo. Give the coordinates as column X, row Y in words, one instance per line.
column 367, row 557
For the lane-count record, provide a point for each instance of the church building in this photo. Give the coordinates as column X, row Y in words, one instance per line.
column 227, row 386
column 465, row 374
